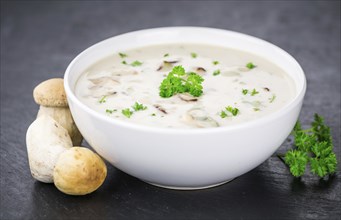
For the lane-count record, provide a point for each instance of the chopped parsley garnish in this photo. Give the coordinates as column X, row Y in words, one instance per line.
column 103, row 99
column 122, row 55
column 256, row 109
column 254, row 92
column 216, row 72
column 136, row 63
column 230, row 110
column 234, row 111
column 223, row 114
column 178, row 81
column 110, row 111
column 153, row 114
column 166, row 55
column 124, row 62
column 194, row 55
column 139, row 107
column 250, row 66
column 215, row 62
column 127, row 112
column 273, row 97
column 312, row 146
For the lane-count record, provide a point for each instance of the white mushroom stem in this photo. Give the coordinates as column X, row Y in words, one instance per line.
column 46, row 139
column 63, row 116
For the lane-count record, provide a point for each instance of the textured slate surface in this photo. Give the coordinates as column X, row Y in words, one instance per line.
column 38, row 40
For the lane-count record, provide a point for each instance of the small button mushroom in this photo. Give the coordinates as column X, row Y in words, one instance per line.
column 51, row 97
column 46, row 139
column 79, row 171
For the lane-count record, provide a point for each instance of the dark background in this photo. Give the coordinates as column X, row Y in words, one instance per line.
column 38, row 41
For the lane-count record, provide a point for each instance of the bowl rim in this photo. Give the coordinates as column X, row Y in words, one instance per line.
column 185, row 131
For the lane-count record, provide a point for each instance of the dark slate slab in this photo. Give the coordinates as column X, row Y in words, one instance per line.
column 39, row 39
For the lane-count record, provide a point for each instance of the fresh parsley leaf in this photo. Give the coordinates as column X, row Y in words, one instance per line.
column 273, row 97
column 245, row 91
column 166, row 55
column 136, row 63
column 127, row 112
column 194, row 55
column 110, row 111
column 215, row 62
column 297, row 161
column 256, row 109
column 177, row 81
column 122, row 55
column 312, row 146
column 124, row 62
column 223, row 114
column 321, row 131
column 139, row 107
column 193, row 84
column 232, row 112
column 153, row 114
column 216, row 72
column 250, row 65
column 254, row 92
column 103, row 99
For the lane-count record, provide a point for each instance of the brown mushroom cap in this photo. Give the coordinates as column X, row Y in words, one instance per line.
column 79, row 171
column 50, row 93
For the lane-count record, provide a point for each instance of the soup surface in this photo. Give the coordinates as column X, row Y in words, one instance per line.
column 236, row 87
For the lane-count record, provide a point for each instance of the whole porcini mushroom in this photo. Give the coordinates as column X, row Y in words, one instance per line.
column 46, row 139
column 79, row 171
column 51, row 97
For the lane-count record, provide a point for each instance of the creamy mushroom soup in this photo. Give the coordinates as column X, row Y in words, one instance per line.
column 185, row 86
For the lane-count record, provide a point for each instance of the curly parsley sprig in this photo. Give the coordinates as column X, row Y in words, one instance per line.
column 178, row 81
column 312, row 146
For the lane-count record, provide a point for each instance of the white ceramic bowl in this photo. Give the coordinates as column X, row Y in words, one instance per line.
column 176, row 158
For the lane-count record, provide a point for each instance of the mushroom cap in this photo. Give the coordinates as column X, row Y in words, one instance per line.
column 79, row 171
column 50, row 93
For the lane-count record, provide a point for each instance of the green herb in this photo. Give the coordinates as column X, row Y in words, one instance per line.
column 166, row 55
column 273, row 97
column 110, row 111
column 312, row 146
column 215, row 62
column 122, row 55
column 254, row 92
column 127, row 112
column 250, row 66
column 178, row 81
column 231, row 110
column 245, row 91
column 124, row 62
column 139, row 107
column 256, row 109
column 234, row 111
column 223, row 114
column 136, row 63
column 103, row 99
column 194, row 55
column 153, row 114
column 216, row 72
